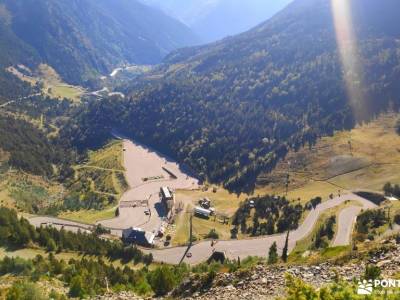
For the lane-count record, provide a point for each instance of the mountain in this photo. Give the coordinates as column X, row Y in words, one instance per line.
column 233, row 109
column 216, row 19
column 83, row 38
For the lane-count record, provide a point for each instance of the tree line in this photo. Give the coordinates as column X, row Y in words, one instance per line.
column 392, row 190
column 88, row 277
column 19, row 233
column 280, row 215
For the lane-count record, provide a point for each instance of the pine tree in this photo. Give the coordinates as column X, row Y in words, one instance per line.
column 286, row 248
column 273, row 254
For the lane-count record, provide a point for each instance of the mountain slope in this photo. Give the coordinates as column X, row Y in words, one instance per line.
column 216, row 19
column 234, row 108
column 84, row 38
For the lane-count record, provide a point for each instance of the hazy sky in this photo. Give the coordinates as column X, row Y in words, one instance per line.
column 215, row 19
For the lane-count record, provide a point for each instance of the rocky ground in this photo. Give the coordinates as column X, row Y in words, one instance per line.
column 120, row 296
column 268, row 282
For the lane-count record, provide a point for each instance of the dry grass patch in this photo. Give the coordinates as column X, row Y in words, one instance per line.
column 363, row 158
column 105, row 170
column 89, row 216
column 53, row 85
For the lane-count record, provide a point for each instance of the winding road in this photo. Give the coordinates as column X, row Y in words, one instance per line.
column 141, row 162
column 260, row 246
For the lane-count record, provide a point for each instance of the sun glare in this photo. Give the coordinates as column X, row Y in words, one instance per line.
column 347, row 48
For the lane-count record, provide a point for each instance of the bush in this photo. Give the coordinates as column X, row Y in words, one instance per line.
column 76, row 289
column 373, row 197
column 213, row 234
column 372, row 272
column 273, row 254
column 397, row 219
column 23, row 290
column 161, row 280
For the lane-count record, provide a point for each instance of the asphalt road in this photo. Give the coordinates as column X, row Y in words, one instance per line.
column 260, row 246
column 345, row 229
column 247, row 247
column 141, row 162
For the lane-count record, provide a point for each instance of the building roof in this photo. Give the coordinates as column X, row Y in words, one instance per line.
column 202, row 211
column 138, row 236
column 166, row 192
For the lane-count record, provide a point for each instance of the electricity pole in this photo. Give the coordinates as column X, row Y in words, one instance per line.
column 350, row 147
column 191, row 231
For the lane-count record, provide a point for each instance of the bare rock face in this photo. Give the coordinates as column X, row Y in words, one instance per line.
column 268, row 282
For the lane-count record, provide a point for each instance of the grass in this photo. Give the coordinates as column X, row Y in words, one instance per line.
column 30, row 253
column 224, row 202
column 334, row 252
column 53, row 85
column 89, row 216
column 24, row 191
column 370, row 178
column 180, row 234
column 110, row 157
column 62, row 91
column 201, row 227
column 105, row 170
column 373, row 160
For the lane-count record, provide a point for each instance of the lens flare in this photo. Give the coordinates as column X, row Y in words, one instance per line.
column 349, row 56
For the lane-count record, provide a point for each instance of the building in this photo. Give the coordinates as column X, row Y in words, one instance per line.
column 202, row 212
column 167, row 197
column 138, row 236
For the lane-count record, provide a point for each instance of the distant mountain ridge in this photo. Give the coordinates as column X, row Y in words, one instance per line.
column 216, row 19
column 232, row 109
column 82, row 38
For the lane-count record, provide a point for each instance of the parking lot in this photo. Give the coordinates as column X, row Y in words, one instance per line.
column 146, row 172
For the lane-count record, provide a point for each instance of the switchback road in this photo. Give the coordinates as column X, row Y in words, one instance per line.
column 260, row 246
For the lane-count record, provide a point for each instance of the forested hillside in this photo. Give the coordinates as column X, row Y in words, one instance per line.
column 232, row 109
column 29, row 148
column 81, row 39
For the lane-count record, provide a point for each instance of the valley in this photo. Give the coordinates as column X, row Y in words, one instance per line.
column 145, row 171
column 138, row 162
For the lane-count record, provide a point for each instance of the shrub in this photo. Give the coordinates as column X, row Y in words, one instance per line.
column 273, row 254
column 397, row 219
column 213, row 234
column 22, row 290
column 161, row 280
